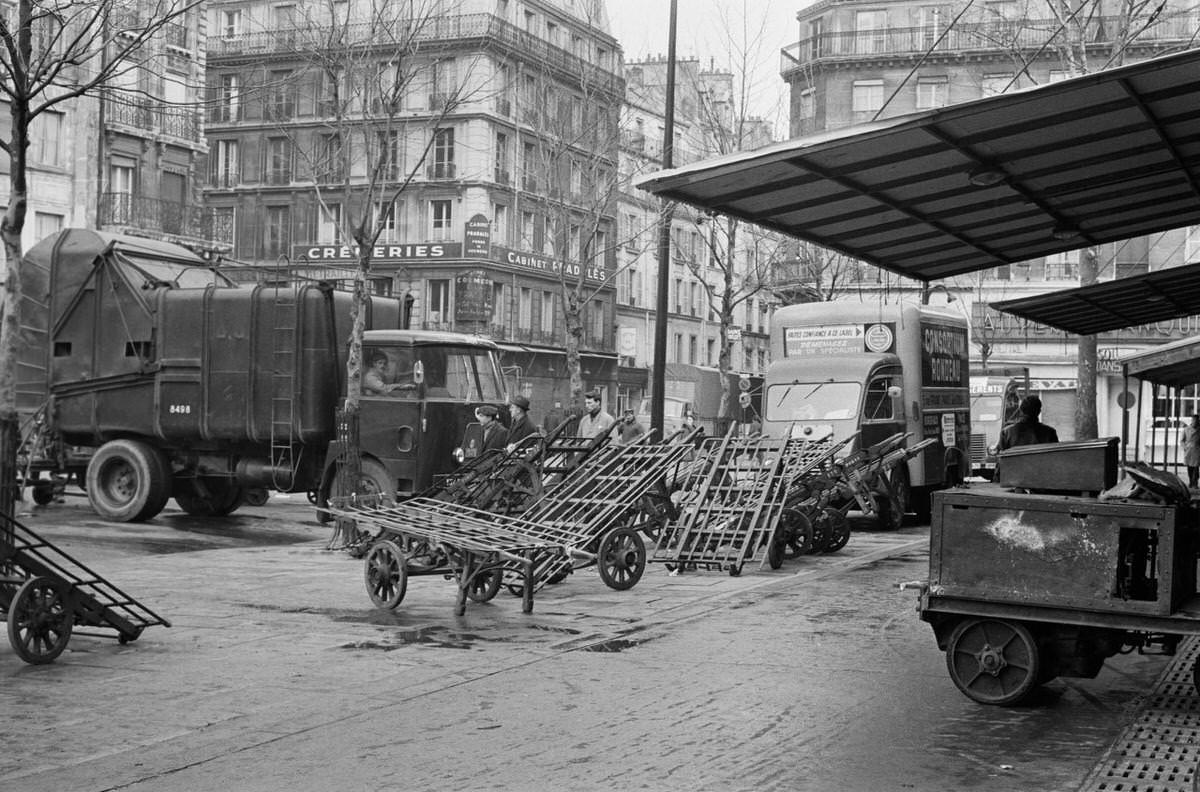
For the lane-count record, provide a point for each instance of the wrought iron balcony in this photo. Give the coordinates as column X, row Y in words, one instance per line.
column 1001, row 37
column 153, row 117
column 166, row 218
column 450, row 29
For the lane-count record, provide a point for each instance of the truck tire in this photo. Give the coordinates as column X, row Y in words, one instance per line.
column 376, row 487
column 128, row 481
column 207, row 496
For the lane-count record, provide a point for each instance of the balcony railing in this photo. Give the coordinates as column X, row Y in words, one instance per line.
column 424, row 32
column 1001, row 36
column 153, row 117
column 165, row 217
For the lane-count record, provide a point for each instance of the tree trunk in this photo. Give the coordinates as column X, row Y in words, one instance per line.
column 573, row 317
column 1086, row 426
column 10, row 321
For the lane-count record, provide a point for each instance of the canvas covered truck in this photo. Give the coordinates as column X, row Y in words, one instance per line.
column 145, row 375
column 841, row 368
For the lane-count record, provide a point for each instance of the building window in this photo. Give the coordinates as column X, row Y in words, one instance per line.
column 500, row 224
column 808, row 104
column 443, row 154
column 46, row 135
column 231, row 22
column 866, row 96
column 278, row 236
column 529, row 181
column 389, row 155
column 389, row 220
column 499, row 308
column 1191, row 244
column 816, row 29
column 932, row 92
column 441, row 214
column 228, row 99
column 995, row 84
column 122, row 176
column 693, row 349
column 870, row 32
column 548, row 312
column 677, row 348
column 1061, row 266
column 528, row 223
column 225, row 163
column 329, row 223
column 279, row 161
column 710, row 352
column 445, row 84
column 281, row 96
column 502, row 176
column 525, row 309
column 932, row 23
column 328, row 162
column 437, row 296
column 596, row 314
column 45, row 224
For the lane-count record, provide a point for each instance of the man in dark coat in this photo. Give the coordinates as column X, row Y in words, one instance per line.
column 1027, row 430
column 495, row 436
column 520, row 426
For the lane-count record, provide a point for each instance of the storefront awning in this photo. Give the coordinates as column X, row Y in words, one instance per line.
column 548, row 350
column 1176, row 364
column 1007, row 178
column 1127, row 302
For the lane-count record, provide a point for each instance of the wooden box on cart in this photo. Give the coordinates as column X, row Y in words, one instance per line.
column 990, row 544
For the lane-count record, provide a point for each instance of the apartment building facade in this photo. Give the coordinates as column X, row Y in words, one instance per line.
column 499, row 152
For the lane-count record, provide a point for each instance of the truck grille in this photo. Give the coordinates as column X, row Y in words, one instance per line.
column 978, row 447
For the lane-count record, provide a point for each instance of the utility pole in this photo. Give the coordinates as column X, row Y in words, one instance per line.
column 658, row 392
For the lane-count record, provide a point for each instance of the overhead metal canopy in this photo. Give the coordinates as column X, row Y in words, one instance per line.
column 1154, row 297
column 1094, row 159
column 1176, row 364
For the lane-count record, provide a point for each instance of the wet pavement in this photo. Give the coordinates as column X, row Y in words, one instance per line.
column 278, row 673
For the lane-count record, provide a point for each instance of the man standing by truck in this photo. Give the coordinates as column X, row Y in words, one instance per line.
column 1027, row 430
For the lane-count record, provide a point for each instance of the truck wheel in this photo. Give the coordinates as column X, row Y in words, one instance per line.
column 128, row 481
column 208, row 496
column 993, row 661
column 375, row 487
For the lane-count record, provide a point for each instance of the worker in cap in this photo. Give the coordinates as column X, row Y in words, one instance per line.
column 519, row 425
column 1028, row 429
column 495, row 436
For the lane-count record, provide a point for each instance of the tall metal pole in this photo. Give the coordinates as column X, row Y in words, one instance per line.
column 658, row 392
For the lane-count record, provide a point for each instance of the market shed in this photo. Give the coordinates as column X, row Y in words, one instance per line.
column 1094, row 159
column 1167, row 370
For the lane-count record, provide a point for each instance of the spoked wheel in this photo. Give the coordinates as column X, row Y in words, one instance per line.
column 993, row 661
column 838, row 531
column 775, row 550
column 485, row 584
column 622, row 559
column 40, row 621
column 799, row 533
column 386, row 574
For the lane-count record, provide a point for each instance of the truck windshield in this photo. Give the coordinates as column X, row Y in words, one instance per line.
column 451, row 372
column 986, row 408
column 812, row 401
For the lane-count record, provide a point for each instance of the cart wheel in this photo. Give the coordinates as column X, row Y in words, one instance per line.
column 838, row 531
column 799, row 533
column 256, row 496
column 622, row 559
column 735, row 570
column 40, row 621
column 485, row 585
column 43, row 492
column 564, row 567
column 775, row 550
column 386, row 574
column 993, row 661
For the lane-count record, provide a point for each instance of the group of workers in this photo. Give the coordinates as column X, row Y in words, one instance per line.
column 594, row 422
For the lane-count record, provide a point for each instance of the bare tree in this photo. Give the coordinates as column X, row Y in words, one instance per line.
column 569, row 181
column 53, row 52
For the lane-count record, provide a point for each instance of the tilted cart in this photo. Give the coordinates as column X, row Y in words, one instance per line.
column 45, row 594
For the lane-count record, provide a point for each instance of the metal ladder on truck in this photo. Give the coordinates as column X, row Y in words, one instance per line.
column 283, row 382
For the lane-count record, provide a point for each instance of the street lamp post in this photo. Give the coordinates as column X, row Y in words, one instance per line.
column 658, row 393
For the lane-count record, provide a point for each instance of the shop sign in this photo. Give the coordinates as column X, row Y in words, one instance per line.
column 382, row 253
column 550, row 265
column 478, row 238
column 472, row 296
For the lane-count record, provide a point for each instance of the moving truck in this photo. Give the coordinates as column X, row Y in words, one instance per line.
column 840, row 368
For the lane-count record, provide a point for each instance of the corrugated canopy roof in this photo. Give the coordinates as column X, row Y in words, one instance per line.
column 1176, row 364
column 1102, row 157
column 1154, row 297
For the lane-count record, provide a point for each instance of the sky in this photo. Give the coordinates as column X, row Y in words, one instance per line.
column 641, row 26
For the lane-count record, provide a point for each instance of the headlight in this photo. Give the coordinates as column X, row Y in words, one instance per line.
column 459, row 455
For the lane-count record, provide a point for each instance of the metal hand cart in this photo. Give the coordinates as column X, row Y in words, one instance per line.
column 577, row 523
column 45, row 594
column 731, row 503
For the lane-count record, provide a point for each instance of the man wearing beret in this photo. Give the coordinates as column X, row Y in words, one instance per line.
column 494, row 433
column 520, row 426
